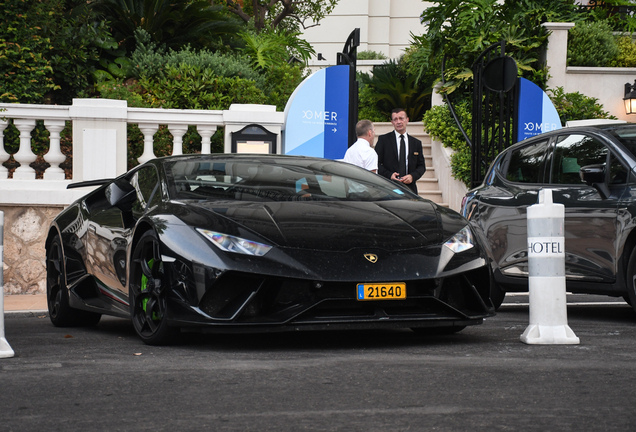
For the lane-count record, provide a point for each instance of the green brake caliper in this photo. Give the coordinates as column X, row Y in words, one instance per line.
column 144, row 287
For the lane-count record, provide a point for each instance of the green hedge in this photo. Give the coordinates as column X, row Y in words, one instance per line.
column 591, row 44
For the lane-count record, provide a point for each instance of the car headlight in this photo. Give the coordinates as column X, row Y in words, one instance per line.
column 230, row 243
column 462, row 241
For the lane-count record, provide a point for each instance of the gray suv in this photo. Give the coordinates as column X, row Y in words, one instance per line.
column 592, row 171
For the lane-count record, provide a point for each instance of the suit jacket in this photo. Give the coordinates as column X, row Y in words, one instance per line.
column 388, row 162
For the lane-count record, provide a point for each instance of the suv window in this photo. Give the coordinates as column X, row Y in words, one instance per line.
column 575, row 151
column 526, row 163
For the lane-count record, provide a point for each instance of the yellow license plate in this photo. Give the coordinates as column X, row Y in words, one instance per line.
column 384, row 291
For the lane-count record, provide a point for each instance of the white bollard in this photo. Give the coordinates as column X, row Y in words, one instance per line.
column 5, row 348
column 546, row 268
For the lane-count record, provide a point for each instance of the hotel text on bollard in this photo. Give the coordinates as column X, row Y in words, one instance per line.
column 546, row 268
column 5, row 348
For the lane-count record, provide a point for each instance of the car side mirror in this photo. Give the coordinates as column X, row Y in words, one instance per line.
column 594, row 175
column 591, row 174
column 121, row 194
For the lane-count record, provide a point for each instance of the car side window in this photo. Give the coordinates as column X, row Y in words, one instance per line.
column 526, row 163
column 146, row 183
column 572, row 152
column 618, row 172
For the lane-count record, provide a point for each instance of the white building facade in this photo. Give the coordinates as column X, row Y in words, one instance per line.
column 385, row 27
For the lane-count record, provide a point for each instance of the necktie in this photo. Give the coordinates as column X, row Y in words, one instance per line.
column 402, row 156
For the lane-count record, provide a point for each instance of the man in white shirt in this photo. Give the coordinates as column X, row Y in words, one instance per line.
column 361, row 153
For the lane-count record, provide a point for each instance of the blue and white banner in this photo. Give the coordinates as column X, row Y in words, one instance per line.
column 536, row 113
column 317, row 115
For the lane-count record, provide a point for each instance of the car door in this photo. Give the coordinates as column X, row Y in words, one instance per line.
column 104, row 249
column 110, row 230
column 512, row 187
column 591, row 228
column 590, row 217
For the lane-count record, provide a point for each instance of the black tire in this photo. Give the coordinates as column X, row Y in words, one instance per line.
column 61, row 313
column 437, row 331
column 630, row 280
column 149, row 285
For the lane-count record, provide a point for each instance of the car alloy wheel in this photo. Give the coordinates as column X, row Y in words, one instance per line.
column 149, row 289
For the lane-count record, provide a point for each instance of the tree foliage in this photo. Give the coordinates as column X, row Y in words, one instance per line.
column 170, row 22
column 390, row 86
column 610, row 12
column 460, row 30
column 274, row 13
column 275, row 47
column 49, row 50
column 26, row 75
column 80, row 48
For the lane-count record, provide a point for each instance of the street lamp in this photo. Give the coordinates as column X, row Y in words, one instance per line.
column 630, row 98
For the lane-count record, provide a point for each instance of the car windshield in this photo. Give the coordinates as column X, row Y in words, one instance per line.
column 276, row 179
column 627, row 137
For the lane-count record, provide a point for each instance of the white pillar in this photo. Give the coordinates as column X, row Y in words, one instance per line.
column 54, row 156
column 25, row 155
column 149, row 130
column 99, row 138
column 177, row 132
column 557, row 53
column 206, row 133
column 5, row 348
column 4, row 156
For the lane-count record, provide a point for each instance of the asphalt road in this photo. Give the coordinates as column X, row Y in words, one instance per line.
column 482, row 378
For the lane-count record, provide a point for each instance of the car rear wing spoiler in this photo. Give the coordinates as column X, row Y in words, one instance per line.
column 97, row 182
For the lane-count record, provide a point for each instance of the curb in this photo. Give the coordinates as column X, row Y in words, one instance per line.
column 31, row 312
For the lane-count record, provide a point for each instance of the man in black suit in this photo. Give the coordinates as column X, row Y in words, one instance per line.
column 392, row 145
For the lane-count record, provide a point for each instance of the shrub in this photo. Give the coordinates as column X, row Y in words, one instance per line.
column 576, row 106
column 26, row 75
column 626, row 56
column 591, row 44
column 371, row 55
column 116, row 89
column 367, row 106
column 190, row 87
column 150, row 61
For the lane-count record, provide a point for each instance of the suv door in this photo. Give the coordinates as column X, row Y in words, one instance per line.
column 503, row 201
column 590, row 218
column 590, row 215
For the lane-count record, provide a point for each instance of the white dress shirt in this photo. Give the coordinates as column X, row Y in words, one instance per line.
column 362, row 155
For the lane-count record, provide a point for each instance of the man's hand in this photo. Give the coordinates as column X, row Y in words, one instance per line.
column 407, row 179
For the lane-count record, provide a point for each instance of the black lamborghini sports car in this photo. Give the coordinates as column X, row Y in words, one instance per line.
column 256, row 243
